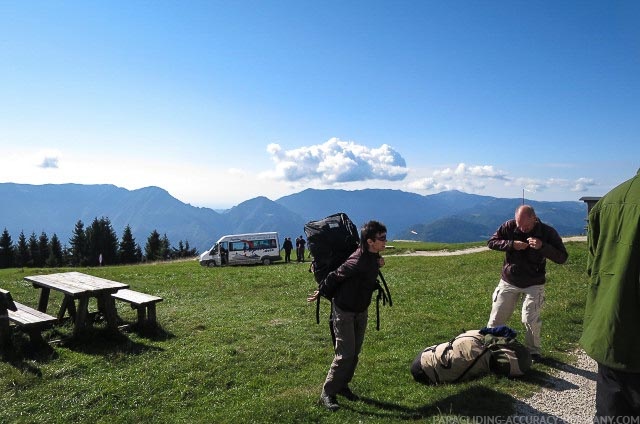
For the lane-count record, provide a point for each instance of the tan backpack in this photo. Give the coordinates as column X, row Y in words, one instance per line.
column 461, row 358
column 470, row 355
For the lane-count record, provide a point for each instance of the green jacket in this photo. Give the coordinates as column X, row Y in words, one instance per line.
column 611, row 333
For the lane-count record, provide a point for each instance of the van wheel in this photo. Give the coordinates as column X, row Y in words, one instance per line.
column 211, row 264
column 266, row 261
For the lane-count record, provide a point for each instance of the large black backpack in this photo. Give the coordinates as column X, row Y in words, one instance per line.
column 331, row 241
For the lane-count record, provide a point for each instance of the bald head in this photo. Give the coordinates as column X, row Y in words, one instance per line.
column 525, row 218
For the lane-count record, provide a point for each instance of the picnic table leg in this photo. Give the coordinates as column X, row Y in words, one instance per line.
column 68, row 304
column 5, row 331
column 109, row 311
column 151, row 314
column 35, row 336
column 81, row 315
column 141, row 314
column 44, row 299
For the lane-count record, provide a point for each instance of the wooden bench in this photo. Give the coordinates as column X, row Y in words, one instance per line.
column 144, row 303
column 27, row 319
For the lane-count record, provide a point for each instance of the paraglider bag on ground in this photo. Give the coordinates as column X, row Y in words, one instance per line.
column 469, row 355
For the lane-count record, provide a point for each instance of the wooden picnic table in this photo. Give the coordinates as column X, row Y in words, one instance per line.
column 76, row 285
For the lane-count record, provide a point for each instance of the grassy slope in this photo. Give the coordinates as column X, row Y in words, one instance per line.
column 241, row 345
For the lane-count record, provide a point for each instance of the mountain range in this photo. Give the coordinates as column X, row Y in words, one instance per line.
column 450, row 216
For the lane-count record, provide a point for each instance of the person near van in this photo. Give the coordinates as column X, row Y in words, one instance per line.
column 527, row 243
column 300, row 243
column 224, row 255
column 287, row 246
column 612, row 314
column 351, row 287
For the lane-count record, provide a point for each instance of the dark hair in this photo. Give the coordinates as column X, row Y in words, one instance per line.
column 370, row 230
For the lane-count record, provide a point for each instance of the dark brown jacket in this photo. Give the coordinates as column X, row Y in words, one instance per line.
column 353, row 283
column 524, row 268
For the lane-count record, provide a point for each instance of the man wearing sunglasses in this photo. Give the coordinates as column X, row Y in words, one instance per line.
column 351, row 287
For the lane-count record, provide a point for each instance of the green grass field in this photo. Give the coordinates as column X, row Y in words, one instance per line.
column 240, row 344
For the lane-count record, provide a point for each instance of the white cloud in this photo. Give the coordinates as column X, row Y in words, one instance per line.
column 477, row 178
column 462, row 177
column 336, row 161
column 583, row 184
column 49, row 162
column 47, row 159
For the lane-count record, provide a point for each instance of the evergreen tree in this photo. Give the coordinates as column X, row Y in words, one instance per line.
column 34, row 252
column 128, row 247
column 188, row 252
column 22, row 251
column 153, row 248
column 138, row 253
column 43, row 249
column 6, row 250
column 55, row 252
column 78, row 242
column 66, row 255
column 102, row 240
column 165, row 247
column 183, row 250
column 179, row 252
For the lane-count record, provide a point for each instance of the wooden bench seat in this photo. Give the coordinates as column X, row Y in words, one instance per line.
column 144, row 303
column 25, row 318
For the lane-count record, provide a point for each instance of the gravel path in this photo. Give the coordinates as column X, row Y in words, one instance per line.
column 568, row 395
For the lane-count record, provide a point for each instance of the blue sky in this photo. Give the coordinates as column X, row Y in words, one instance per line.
column 222, row 101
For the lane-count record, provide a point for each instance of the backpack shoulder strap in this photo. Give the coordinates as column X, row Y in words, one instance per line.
column 386, row 288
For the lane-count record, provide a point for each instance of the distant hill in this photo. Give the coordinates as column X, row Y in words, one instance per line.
column 55, row 209
column 451, row 216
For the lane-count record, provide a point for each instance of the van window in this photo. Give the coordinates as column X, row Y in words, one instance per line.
column 252, row 245
column 239, row 246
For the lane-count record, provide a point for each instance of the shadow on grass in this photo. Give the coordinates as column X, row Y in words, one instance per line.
column 469, row 404
column 23, row 354
column 472, row 402
column 106, row 342
column 154, row 333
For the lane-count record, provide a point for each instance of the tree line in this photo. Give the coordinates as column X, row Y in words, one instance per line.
column 91, row 246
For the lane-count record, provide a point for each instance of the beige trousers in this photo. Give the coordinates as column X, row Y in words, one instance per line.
column 506, row 296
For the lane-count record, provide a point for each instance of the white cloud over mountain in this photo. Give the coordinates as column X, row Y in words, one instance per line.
column 477, row 177
column 337, row 161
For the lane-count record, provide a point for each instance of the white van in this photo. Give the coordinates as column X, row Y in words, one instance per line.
column 240, row 249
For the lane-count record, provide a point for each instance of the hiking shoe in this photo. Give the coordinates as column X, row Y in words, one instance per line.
column 328, row 401
column 347, row 393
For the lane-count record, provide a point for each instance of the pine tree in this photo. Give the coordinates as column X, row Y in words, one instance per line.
column 180, row 252
column 22, row 251
column 78, row 242
column 153, row 248
column 43, row 249
column 165, row 247
column 6, row 250
column 34, row 252
column 128, row 247
column 102, row 240
column 188, row 252
column 138, row 253
column 55, row 252
column 183, row 250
